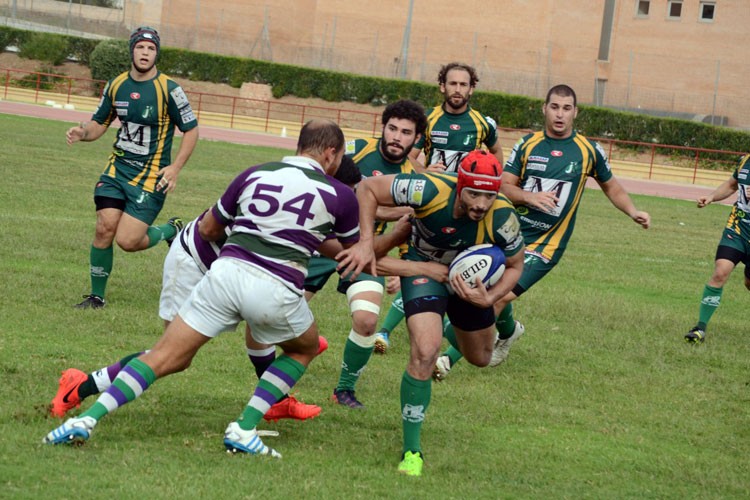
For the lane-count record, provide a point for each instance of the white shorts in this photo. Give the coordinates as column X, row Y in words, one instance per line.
column 180, row 275
column 234, row 290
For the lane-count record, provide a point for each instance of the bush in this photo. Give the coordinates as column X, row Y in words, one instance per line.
column 109, row 59
column 45, row 47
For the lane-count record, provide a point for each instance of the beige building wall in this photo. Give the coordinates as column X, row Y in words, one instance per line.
column 518, row 46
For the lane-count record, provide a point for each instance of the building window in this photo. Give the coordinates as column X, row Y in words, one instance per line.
column 708, row 11
column 642, row 7
column 674, row 9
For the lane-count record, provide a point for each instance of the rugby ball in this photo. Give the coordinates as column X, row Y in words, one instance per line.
column 484, row 261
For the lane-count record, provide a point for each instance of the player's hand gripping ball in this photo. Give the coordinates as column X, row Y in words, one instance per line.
column 485, row 261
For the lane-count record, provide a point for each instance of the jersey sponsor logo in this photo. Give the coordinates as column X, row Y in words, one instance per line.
column 416, row 191
column 742, row 175
column 419, row 281
column 187, row 115
column 536, row 166
column 511, row 229
column 350, row 148
column 440, row 140
column 123, row 104
column 556, row 153
column 400, row 191
column 449, row 230
column 530, row 256
column 180, row 99
column 572, row 167
column 135, row 96
column 561, row 189
column 439, row 133
column 455, row 126
column 376, row 172
column 122, row 112
column 535, row 223
column 541, row 159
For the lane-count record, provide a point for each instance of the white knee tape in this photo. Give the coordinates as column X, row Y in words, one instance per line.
column 363, row 286
column 361, row 340
column 364, row 305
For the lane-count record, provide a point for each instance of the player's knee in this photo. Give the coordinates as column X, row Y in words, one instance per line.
column 128, row 243
column 479, row 358
column 364, row 312
column 364, row 322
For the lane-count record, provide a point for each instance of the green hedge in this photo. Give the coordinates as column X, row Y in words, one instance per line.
column 509, row 111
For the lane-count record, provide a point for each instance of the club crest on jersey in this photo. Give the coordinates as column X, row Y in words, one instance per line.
column 455, row 126
column 135, row 95
column 556, row 153
column 449, row 230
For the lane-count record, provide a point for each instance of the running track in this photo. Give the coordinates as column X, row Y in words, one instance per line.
column 636, row 186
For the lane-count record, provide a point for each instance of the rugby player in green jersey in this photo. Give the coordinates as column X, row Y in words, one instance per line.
column 545, row 179
column 734, row 246
column 140, row 172
column 451, row 213
column 454, row 129
column 403, row 123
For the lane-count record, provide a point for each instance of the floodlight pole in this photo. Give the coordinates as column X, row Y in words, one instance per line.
column 405, row 43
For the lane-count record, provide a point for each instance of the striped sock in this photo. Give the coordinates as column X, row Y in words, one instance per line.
column 130, row 383
column 275, row 383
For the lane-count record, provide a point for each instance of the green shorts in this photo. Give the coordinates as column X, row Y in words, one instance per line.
column 321, row 268
column 422, row 294
column 739, row 242
column 138, row 203
column 534, row 269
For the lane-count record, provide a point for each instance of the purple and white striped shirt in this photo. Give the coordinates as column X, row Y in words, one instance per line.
column 280, row 212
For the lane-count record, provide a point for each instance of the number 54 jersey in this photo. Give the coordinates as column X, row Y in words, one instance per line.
column 280, row 213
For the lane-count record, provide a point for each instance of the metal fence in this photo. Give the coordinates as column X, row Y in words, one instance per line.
column 660, row 162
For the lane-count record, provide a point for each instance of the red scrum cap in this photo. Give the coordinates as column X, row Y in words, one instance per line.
column 479, row 171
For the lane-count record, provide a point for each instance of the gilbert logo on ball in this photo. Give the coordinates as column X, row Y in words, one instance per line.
column 486, row 262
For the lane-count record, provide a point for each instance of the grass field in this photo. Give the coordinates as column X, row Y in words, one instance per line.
column 600, row 399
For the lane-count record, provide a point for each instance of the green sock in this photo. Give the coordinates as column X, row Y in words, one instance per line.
column 131, row 382
column 415, row 398
column 505, row 323
column 709, row 304
column 452, row 352
column 275, row 383
column 159, row 233
column 395, row 314
column 100, row 268
column 355, row 360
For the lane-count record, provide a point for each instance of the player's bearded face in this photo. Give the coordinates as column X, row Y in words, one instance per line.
column 476, row 204
column 398, row 139
column 457, row 89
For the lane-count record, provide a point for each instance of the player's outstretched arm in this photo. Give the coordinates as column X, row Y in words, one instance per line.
column 85, row 131
column 621, row 199
column 727, row 188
